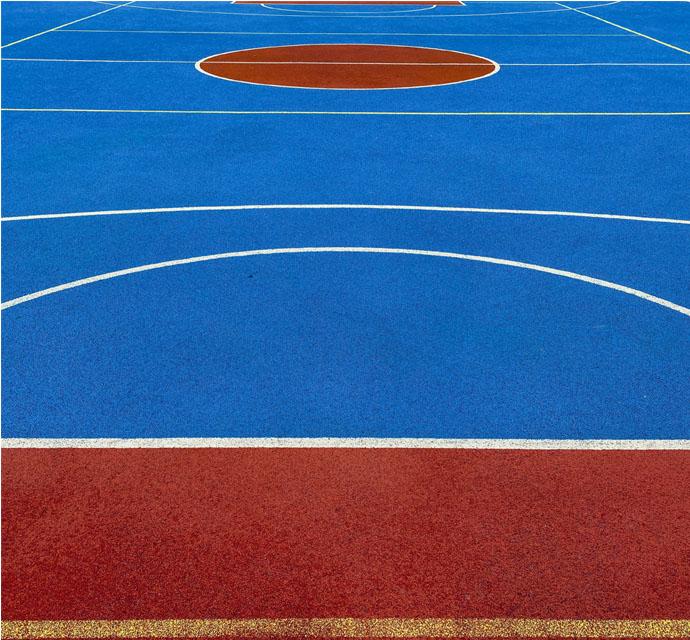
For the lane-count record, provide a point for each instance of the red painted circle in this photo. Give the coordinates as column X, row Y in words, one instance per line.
column 348, row 66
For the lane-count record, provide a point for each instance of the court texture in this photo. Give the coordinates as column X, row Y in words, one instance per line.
column 337, row 320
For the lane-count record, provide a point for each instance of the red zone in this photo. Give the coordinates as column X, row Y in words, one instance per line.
column 348, row 66
column 227, row 533
column 318, row 3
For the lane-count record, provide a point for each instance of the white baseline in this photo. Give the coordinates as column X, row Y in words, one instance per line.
column 93, row 15
column 345, row 443
column 618, row 26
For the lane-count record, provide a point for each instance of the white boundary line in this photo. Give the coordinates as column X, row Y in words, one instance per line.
column 356, row 33
column 221, row 112
column 606, row 284
column 637, row 33
column 376, row 207
column 346, row 443
column 496, row 67
column 93, row 15
column 388, row 64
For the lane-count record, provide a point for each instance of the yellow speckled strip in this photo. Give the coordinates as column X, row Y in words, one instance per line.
column 346, row 628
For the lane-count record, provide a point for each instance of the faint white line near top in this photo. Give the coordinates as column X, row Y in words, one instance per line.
column 613, row 24
column 345, row 443
column 93, row 15
column 356, row 33
column 374, row 207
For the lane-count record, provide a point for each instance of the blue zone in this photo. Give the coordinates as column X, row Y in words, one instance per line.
column 346, row 344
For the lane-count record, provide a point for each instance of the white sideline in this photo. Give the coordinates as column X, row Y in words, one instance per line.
column 93, row 15
column 613, row 24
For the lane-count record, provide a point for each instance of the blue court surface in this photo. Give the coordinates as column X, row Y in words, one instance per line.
column 188, row 256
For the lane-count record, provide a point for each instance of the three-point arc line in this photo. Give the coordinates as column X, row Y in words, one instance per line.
column 373, row 250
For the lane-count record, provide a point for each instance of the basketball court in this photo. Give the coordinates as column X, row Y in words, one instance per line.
column 346, row 320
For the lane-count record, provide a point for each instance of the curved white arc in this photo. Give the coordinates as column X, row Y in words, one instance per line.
column 345, row 13
column 386, row 250
column 345, row 443
column 376, row 207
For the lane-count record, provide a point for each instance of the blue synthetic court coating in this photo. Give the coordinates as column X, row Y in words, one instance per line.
column 110, row 113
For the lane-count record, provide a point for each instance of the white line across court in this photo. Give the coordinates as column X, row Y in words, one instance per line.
column 237, row 112
column 341, row 62
column 346, row 443
column 375, row 207
column 355, row 33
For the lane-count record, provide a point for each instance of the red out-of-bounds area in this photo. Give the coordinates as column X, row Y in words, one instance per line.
column 111, row 534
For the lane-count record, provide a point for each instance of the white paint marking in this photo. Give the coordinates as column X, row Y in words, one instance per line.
column 278, row 62
column 219, row 112
column 486, row 62
column 341, row 62
column 596, row 64
column 93, row 15
column 637, row 33
column 346, row 13
column 5, row 59
column 356, row 33
column 376, row 207
column 378, row 17
column 606, row 284
column 345, row 443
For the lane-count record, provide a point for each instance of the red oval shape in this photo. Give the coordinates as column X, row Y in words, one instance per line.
column 348, row 66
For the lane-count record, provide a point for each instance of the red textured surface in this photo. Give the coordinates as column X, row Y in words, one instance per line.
column 348, row 66
column 318, row 3
column 170, row 533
